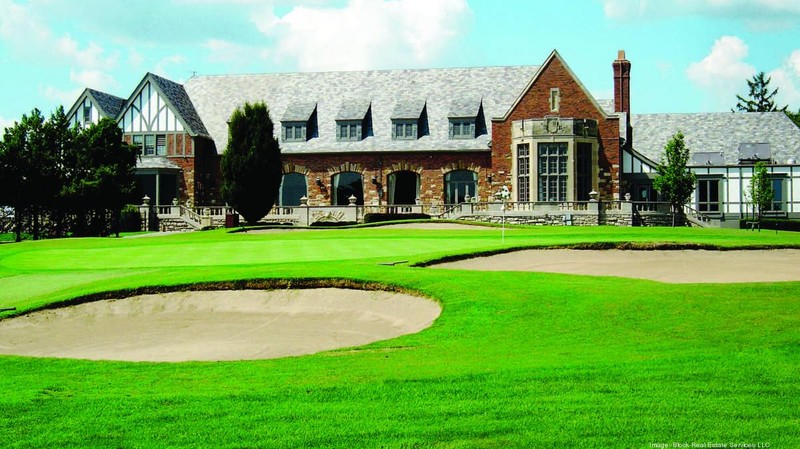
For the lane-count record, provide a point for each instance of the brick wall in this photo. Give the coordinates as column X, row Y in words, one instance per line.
column 574, row 103
column 430, row 165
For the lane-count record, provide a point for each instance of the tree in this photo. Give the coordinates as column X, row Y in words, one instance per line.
column 760, row 99
column 760, row 191
column 104, row 176
column 251, row 165
column 675, row 181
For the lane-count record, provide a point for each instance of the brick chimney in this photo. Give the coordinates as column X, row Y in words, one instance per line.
column 622, row 83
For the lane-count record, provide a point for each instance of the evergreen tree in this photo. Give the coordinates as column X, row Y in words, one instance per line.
column 251, row 164
column 760, row 190
column 760, row 99
column 675, row 181
column 795, row 116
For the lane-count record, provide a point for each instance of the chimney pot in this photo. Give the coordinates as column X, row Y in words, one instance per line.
column 620, row 55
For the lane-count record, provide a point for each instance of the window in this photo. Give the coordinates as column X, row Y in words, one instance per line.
column 555, row 99
column 403, row 187
column 405, row 130
column 553, row 171
column 708, row 195
column 345, row 185
column 777, row 195
column 294, row 132
column 462, row 129
column 349, row 131
column 583, row 175
column 523, row 172
column 150, row 144
column 87, row 114
column 458, row 184
column 293, row 187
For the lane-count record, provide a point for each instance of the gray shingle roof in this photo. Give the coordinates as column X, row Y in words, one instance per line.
column 156, row 162
column 408, row 108
column 215, row 98
column 299, row 112
column 720, row 132
column 353, row 110
column 177, row 96
column 464, row 108
column 109, row 105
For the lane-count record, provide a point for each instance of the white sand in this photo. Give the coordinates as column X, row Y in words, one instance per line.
column 217, row 325
column 680, row 266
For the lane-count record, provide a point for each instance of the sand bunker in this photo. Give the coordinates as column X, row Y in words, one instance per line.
column 217, row 325
column 679, row 266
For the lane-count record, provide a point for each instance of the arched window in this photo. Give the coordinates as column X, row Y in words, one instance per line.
column 403, row 187
column 293, row 187
column 347, row 184
column 458, row 184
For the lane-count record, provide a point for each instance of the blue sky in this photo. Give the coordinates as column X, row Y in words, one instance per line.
column 687, row 55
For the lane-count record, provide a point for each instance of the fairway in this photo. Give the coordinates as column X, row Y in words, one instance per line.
column 516, row 359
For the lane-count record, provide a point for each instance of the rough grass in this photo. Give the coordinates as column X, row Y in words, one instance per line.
column 515, row 360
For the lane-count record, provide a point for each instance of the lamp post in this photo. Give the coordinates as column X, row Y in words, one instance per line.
column 504, row 195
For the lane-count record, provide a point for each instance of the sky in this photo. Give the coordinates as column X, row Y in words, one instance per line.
column 686, row 55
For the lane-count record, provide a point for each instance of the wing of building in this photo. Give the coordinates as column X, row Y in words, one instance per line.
column 444, row 136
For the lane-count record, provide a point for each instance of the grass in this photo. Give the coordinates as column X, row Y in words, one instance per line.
column 516, row 359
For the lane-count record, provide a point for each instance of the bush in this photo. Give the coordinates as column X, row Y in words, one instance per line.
column 130, row 219
column 777, row 224
column 376, row 218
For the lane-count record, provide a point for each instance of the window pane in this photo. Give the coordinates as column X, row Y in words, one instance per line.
column 149, row 144
column 161, row 145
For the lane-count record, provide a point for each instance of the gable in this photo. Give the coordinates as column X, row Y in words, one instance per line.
column 91, row 106
column 573, row 98
column 84, row 112
column 148, row 111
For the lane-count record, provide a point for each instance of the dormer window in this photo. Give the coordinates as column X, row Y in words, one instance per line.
column 409, row 120
column 354, row 121
column 466, row 119
column 462, row 129
column 299, row 122
column 294, row 131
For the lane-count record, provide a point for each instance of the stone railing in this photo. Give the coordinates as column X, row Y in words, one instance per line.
column 581, row 213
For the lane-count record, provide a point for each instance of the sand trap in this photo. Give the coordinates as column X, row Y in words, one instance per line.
column 217, row 325
column 678, row 266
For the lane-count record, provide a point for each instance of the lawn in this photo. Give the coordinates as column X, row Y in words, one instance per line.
column 515, row 360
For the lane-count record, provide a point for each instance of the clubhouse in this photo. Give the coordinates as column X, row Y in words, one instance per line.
column 447, row 137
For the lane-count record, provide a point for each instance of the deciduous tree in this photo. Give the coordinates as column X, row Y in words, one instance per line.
column 675, row 181
column 760, row 191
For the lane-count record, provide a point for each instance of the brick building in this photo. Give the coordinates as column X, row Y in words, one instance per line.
column 435, row 136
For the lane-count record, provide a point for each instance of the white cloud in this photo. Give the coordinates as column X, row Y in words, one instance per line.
column 722, row 73
column 365, row 33
column 787, row 79
column 65, row 97
column 759, row 15
column 161, row 66
column 5, row 123
column 230, row 53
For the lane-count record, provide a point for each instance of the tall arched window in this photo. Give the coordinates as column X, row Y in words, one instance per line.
column 458, row 184
column 347, row 184
column 403, row 187
column 293, row 187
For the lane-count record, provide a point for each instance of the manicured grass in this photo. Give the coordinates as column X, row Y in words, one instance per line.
column 516, row 359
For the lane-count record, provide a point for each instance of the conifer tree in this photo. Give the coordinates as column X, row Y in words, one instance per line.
column 251, row 165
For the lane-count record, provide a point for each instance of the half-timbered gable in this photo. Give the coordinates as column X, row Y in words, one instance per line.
column 159, row 118
column 92, row 106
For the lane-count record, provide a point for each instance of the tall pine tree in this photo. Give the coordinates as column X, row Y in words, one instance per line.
column 760, row 99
